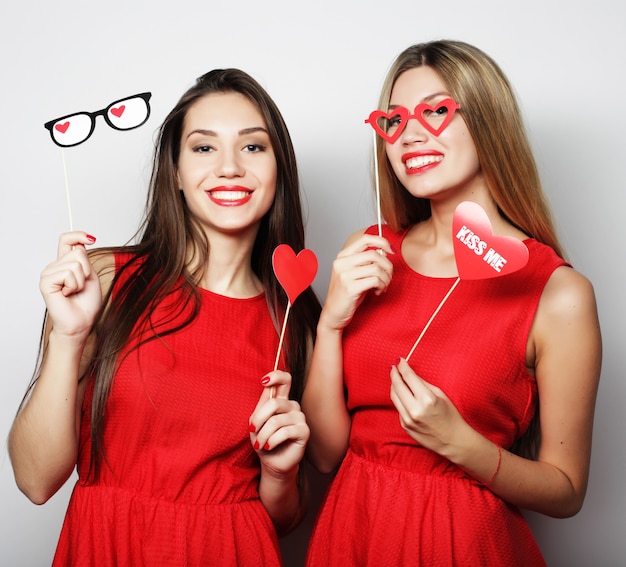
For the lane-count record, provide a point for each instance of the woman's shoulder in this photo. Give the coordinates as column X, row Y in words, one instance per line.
column 568, row 290
column 567, row 308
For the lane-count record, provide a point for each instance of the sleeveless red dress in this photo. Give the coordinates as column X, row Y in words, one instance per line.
column 393, row 502
column 181, row 484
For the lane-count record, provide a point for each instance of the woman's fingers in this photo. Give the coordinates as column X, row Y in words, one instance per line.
column 277, row 384
column 69, row 240
column 70, row 286
column 358, row 268
column 281, row 428
column 72, row 267
column 66, row 275
column 365, row 270
column 365, row 242
column 277, row 419
column 426, row 413
column 276, row 388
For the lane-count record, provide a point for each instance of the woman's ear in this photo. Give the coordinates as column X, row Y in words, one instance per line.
column 178, row 181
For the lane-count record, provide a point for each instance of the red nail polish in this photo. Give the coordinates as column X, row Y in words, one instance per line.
column 266, row 447
column 251, row 428
column 265, row 380
column 90, row 238
column 256, row 445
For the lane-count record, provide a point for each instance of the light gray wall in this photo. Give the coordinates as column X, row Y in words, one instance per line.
column 323, row 62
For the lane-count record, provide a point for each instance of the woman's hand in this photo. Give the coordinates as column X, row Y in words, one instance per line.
column 71, row 288
column 279, row 434
column 426, row 413
column 278, row 429
column 361, row 266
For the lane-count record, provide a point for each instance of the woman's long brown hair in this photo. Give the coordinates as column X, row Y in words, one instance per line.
column 159, row 261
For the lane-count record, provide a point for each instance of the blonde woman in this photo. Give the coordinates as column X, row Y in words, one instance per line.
column 494, row 410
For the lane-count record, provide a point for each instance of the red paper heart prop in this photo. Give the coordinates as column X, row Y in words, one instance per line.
column 62, row 127
column 479, row 254
column 118, row 111
column 295, row 273
column 428, row 116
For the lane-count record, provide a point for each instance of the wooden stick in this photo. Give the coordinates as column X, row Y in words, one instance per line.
column 456, row 282
column 67, row 191
column 377, row 183
column 280, row 343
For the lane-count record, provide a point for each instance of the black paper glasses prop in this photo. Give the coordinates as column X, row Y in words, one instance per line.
column 123, row 114
column 73, row 129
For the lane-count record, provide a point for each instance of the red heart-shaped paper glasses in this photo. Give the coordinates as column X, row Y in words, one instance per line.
column 434, row 118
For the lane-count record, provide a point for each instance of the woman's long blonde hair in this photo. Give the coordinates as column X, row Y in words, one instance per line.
column 490, row 110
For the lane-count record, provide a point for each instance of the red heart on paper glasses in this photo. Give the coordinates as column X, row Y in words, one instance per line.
column 479, row 254
column 62, row 127
column 295, row 273
column 118, row 111
column 400, row 113
column 427, row 115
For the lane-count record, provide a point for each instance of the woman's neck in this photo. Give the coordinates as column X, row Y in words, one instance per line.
column 428, row 246
column 228, row 270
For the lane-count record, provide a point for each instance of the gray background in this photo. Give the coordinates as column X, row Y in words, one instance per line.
column 323, row 63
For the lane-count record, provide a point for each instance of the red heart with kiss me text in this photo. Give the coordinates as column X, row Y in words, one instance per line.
column 479, row 254
column 294, row 273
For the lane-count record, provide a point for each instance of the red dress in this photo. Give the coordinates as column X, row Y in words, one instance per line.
column 393, row 502
column 181, row 488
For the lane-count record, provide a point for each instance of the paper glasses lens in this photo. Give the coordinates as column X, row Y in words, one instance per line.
column 128, row 113
column 72, row 130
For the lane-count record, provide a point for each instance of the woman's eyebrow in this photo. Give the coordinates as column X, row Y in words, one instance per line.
column 202, row 132
column 253, row 130
column 425, row 99
column 214, row 134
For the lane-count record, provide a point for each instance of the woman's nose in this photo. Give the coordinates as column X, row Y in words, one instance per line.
column 228, row 164
column 414, row 131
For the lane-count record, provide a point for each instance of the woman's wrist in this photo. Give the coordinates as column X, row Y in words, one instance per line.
column 476, row 455
column 279, row 477
column 326, row 327
column 73, row 340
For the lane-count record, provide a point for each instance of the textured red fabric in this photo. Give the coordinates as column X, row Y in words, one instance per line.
column 393, row 502
column 181, row 485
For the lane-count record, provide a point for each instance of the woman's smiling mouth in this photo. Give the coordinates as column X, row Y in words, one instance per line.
column 230, row 196
column 417, row 163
